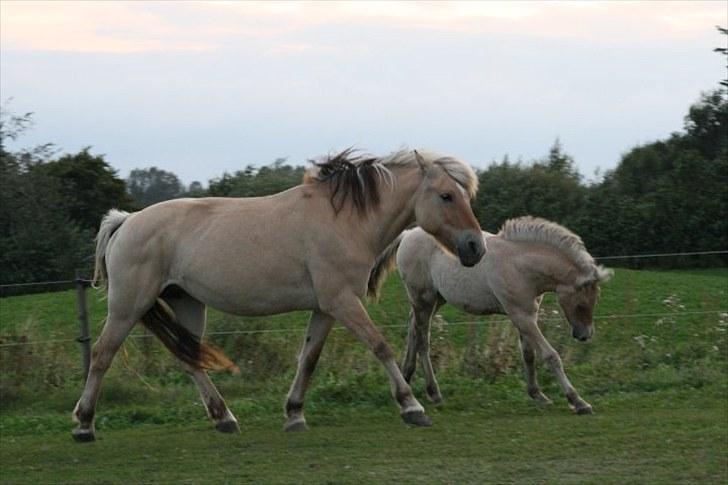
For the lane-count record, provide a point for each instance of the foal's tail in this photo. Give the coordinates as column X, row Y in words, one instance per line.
column 384, row 265
column 109, row 224
column 187, row 347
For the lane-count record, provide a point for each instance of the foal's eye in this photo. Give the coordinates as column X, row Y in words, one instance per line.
column 446, row 197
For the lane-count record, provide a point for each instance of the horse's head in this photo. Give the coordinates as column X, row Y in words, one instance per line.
column 442, row 208
column 578, row 301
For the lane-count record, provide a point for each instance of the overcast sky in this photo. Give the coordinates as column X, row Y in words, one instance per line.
column 203, row 88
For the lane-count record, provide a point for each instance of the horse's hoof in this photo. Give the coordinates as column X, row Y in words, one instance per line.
column 83, row 435
column 295, row 426
column 228, row 427
column 416, row 418
column 584, row 410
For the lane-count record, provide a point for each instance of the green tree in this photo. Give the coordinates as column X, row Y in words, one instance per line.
column 550, row 188
column 148, row 186
column 88, row 187
column 38, row 239
column 252, row 182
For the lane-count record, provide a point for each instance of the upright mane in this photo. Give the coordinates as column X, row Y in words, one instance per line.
column 535, row 229
column 358, row 178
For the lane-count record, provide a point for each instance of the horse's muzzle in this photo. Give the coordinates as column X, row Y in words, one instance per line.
column 471, row 248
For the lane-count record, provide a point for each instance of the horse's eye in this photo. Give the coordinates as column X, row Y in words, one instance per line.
column 446, row 197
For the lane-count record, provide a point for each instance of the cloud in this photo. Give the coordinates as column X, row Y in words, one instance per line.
column 128, row 27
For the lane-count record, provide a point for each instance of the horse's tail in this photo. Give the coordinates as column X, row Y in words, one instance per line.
column 187, row 347
column 384, row 265
column 109, row 225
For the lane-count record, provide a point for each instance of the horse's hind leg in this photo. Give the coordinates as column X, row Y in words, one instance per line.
column 192, row 315
column 118, row 325
column 318, row 329
column 529, row 357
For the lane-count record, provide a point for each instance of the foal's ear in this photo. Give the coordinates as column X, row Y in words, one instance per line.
column 421, row 161
column 603, row 274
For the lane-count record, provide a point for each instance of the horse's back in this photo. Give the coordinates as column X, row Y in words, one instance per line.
column 237, row 255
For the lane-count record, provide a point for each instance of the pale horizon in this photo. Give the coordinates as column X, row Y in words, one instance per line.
column 202, row 88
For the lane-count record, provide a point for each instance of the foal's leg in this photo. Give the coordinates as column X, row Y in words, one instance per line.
column 319, row 327
column 347, row 309
column 526, row 324
column 424, row 310
column 533, row 388
column 118, row 325
column 409, row 363
column 191, row 314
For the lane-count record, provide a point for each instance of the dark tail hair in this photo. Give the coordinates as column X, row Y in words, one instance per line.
column 384, row 265
column 186, row 346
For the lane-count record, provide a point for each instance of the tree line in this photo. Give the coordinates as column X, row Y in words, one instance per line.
column 666, row 196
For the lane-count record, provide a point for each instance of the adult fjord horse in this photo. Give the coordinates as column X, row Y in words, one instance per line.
column 308, row 248
column 528, row 257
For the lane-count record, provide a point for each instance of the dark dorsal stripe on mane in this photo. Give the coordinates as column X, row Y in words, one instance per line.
column 351, row 177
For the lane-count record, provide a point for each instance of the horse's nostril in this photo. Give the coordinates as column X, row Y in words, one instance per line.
column 473, row 247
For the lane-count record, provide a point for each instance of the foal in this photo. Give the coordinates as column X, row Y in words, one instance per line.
column 308, row 248
column 527, row 258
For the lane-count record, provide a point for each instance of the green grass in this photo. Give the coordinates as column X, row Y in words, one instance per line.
column 656, row 374
column 630, row 440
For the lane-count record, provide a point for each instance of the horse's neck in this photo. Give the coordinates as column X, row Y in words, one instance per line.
column 396, row 209
column 546, row 266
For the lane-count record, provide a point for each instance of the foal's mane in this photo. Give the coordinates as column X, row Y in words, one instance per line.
column 359, row 177
column 535, row 229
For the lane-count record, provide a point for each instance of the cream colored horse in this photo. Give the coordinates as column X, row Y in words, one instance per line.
column 527, row 258
column 308, row 248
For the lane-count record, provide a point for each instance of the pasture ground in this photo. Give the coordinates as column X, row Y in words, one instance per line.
column 665, row 437
column 656, row 374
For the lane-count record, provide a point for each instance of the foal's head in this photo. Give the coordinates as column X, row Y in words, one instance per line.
column 578, row 302
column 442, row 207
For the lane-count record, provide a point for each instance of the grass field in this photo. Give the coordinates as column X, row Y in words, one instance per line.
column 656, row 374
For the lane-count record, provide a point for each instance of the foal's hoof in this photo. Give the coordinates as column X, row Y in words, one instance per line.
column 295, row 426
column 436, row 399
column 228, row 427
column 416, row 418
column 584, row 410
column 83, row 435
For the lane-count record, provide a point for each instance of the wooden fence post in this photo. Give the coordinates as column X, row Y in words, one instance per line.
column 83, row 338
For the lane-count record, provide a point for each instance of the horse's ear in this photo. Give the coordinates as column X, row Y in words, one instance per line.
column 421, row 161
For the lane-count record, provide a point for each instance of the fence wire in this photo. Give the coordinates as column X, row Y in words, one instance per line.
column 403, row 325
column 446, row 324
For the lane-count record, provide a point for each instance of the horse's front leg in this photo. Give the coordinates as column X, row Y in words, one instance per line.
column 347, row 309
column 530, row 332
column 319, row 327
column 529, row 358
